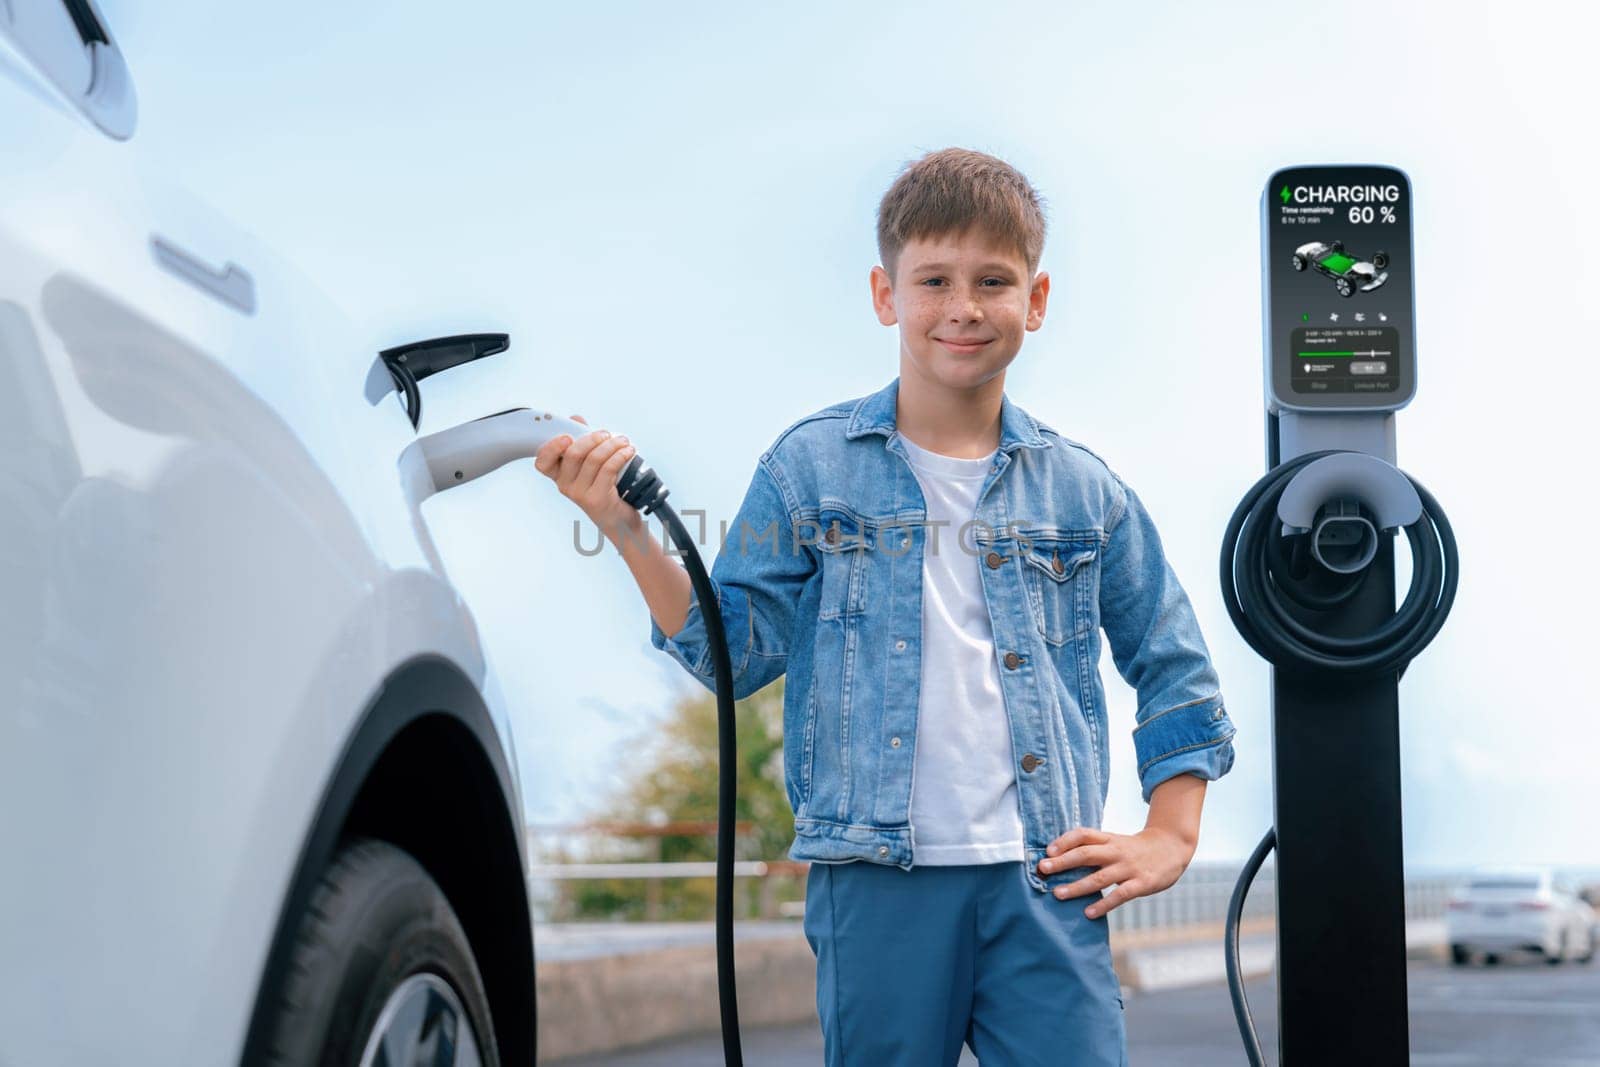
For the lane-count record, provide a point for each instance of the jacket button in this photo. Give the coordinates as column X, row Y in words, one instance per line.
column 883, row 850
column 1012, row 660
column 899, row 646
column 894, row 742
column 994, row 559
column 1029, row 762
column 1057, row 566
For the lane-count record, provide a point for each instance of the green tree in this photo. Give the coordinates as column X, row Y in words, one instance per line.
column 679, row 784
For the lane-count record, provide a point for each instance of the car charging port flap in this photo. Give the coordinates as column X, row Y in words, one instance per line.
column 403, row 366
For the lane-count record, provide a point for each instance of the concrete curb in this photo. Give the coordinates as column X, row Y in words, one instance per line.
column 607, row 1003
column 591, row 1002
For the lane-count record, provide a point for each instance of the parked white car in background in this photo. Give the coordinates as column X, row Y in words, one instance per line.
column 258, row 793
column 1526, row 909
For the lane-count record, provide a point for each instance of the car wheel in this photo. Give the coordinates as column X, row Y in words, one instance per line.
column 1344, row 287
column 1380, row 259
column 1588, row 955
column 1560, row 953
column 381, row 971
column 1299, row 261
column 1490, row 959
column 1337, row 246
column 1459, row 955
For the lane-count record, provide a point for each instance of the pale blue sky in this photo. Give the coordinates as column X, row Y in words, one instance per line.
column 670, row 209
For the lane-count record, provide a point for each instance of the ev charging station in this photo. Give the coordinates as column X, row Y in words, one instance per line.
column 1308, row 575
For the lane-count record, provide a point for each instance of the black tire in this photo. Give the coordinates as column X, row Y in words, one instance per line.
column 1344, row 287
column 1380, row 259
column 1490, row 959
column 1337, row 246
column 1299, row 261
column 377, row 921
column 1459, row 955
column 1560, row 953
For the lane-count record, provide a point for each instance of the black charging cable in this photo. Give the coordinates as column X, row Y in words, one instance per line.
column 1241, row 1008
column 1262, row 572
column 641, row 488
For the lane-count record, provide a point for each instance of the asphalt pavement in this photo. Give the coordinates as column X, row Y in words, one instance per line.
column 1520, row 1012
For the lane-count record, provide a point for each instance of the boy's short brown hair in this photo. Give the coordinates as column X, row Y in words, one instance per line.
column 952, row 190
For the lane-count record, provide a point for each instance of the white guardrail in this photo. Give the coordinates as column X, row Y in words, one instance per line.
column 1200, row 896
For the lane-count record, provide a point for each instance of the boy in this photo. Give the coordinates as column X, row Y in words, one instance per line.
column 932, row 567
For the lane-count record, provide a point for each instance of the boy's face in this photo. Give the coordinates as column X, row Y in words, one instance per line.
column 963, row 303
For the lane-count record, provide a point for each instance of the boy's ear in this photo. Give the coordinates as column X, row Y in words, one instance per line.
column 1038, row 297
column 882, row 296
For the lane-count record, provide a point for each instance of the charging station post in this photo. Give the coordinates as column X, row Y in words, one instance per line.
column 1308, row 575
column 1344, row 335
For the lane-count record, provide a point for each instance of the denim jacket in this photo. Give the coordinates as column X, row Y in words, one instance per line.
column 820, row 576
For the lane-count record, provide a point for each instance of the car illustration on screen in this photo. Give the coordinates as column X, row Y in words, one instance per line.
column 1347, row 272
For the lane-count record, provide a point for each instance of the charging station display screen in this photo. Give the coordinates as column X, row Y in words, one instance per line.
column 1338, row 276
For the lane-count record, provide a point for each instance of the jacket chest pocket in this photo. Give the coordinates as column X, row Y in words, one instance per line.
column 1059, row 575
column 842, row 546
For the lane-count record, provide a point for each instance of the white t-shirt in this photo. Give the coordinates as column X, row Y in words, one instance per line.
column 963, row 783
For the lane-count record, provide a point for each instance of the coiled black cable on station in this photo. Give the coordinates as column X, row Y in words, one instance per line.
column 1263, row 572
column 640, row 487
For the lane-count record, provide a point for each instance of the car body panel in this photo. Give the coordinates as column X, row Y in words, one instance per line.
column 209, row 569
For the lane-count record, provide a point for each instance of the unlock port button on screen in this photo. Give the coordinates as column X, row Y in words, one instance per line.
column 1369, row 366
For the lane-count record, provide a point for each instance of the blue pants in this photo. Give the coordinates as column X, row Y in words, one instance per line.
column 912, row 964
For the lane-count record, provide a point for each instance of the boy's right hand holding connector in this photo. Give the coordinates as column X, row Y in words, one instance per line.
column 585, row 471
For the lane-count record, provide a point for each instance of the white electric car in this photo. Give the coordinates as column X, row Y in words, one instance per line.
column 1527, row 909
column 258, row 795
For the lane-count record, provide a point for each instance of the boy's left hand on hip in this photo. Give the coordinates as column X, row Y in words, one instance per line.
column 1137, row 864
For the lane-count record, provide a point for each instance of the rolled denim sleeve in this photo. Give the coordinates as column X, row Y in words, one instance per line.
column 758, row 576
column 1182, row 727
